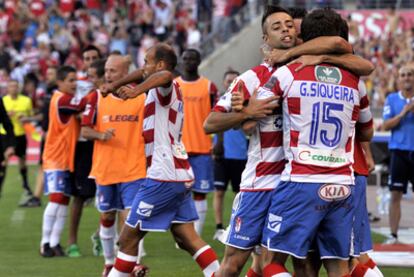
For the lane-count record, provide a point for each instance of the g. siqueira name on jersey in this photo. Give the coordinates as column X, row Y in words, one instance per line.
column 330, row 91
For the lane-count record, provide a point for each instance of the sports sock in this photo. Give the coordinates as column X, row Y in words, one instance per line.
column 123, row 266
column 49, row 217
column 361, row 270
column 201, row 208
column 107, row 235
column 59, row 224
column 206, row 258
column 371, row 264
column 275, row 270
column 252, row 273
column 23, row 172
column 2, row 175
column 141, row 251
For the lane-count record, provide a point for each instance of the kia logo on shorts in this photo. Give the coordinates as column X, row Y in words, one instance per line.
column 334, row 192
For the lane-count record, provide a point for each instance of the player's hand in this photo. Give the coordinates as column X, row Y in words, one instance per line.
column 370, row 162
column 237, row 98
column 106, row 89
column 407, row 108
column 126, row 93
column 108, row 134
column 188, row 185
column 259, row 108
column 306, row 60
column 24, row 119
column 7, row 154
column 276, row 56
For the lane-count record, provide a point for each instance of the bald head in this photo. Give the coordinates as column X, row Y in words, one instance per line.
column 116, row 67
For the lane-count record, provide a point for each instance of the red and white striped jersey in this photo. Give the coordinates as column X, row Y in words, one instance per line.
column 321, row 105
column 167, row 158
column 265, row 158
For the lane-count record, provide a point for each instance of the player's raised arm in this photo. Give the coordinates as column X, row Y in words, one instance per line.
column 158, row 79
column 136, row 76
column 353, row 63
column 317, row 46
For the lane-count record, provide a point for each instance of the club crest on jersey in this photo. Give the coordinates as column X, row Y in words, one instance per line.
column 145, row 209
column 238, row 224
column 274, row 223
column 334, row 192
column 328, row 74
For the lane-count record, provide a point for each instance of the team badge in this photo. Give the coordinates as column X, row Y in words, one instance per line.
column 238, row 224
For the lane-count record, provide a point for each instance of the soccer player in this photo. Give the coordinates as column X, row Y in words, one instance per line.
column 199, row 96
column 279, row 34
column 58, row 159
column 7, row 144
column 84, row 188
column 317, row 147
column 399, row 119
column 18, row 106
column 230, row 156
column 118, row 163
column 43, row 117
column 164, row 200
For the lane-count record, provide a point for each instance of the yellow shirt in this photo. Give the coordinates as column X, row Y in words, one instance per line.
column 21, row 106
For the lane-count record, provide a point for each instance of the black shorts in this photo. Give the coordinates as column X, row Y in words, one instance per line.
column 401, row 170
column 228, row 170
column 42, row 148
column 83, row 186
column 21, row 145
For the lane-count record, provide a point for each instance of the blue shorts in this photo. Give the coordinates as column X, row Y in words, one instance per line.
column 157, row 205
column 301, row 213
column 362, row 230
column 203, row 172
column 248, row 219
column 117, row 197
column 58, row 181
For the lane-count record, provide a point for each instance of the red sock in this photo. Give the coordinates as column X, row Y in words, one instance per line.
column 206, row 258
column 252, row 273
column 274, row 270
column 371, row 264
column 359, row 270
column 125, row 263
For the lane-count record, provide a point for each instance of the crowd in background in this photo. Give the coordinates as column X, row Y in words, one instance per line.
column 37, row 34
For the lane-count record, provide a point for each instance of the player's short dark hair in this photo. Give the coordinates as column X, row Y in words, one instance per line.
column 99, row 65
column 91, row 47
column 231, row 72
column 321, row 22
column 64, row 71
column 195, row 51
column 164, row 52
column 297, row 12
column 344, row 30
column 270, row 9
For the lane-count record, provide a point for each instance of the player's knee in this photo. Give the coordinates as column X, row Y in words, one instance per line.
column 231, row 267
column 108, row 217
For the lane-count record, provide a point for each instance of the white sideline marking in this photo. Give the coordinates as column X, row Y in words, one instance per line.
column 17, row 217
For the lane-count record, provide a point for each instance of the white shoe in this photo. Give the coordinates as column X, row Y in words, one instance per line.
column 391, row 240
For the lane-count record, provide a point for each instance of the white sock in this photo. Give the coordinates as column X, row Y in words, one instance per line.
column 116, row 273
column 49, row 217
column 57, row 230
column 141, row 251
column 370, row 273
column 107, row 235
column 377, row 271
column 201, row 208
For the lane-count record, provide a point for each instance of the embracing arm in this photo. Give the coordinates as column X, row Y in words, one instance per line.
column 158, row 79
column 219, row 122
